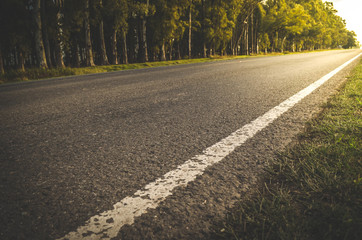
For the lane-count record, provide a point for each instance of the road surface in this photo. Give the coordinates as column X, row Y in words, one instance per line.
column 71, row 148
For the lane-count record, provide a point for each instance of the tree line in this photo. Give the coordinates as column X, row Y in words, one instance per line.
column 59, row 33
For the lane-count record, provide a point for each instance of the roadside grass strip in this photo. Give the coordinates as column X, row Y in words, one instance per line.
column 314, row 189
column 18, row 75
column 107, row 224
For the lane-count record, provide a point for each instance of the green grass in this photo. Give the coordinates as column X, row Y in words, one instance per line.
column 313, row 190
column 37, row 73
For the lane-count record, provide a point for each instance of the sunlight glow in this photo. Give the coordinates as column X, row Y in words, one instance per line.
column 351, row 11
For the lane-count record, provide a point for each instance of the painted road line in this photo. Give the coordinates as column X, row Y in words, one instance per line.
column 106, row 225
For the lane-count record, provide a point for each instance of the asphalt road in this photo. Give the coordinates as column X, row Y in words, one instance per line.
column 72, row 147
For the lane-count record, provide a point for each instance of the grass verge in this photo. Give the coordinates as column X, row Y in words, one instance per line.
column 38, row 73
column 313, row 190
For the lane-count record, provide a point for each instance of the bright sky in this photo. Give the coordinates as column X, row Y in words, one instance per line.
column 351, row 11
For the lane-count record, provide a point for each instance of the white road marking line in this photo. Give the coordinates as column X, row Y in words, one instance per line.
column 106, row 225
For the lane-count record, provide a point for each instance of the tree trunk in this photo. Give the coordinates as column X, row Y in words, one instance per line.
column 143, row 49
column 75, row 53
column 275, row 45
column 2, row 71
column 124, row 46
column 88, row 43
column 256, row 36
column 163, row 52
column 178, row 51
column 170, row 51
column 232, row 48
column 46, row 37
column 58, row 47
column 104, row 58
column 247, row 38
column 114, row 48
column 252, row 32
column 190, row 30
column 283, row 42
column 38, row 38
column 47, row 48
column 239, row 41
column 59, row 62
column 135, row 40
column 21, row 63
column 203, row 29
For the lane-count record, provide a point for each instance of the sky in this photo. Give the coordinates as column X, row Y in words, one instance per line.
column 351, row 11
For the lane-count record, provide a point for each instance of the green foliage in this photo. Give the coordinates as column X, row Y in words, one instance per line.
column 310, row 24
column 135, row 28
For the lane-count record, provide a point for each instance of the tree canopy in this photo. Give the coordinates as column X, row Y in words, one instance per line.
column 58, row 33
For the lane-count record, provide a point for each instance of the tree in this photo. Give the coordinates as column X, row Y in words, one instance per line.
column 219, row 24
column 88, row 40
column 73, row 32
column 117, row 18
column 142, row 10
column 38, row 37
column 240, row 13
column 99, row 13
column 351, row 40
column 190, row 29
column 59, row 62
column 76, row 33
column 264, row 42
column 165, row 26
